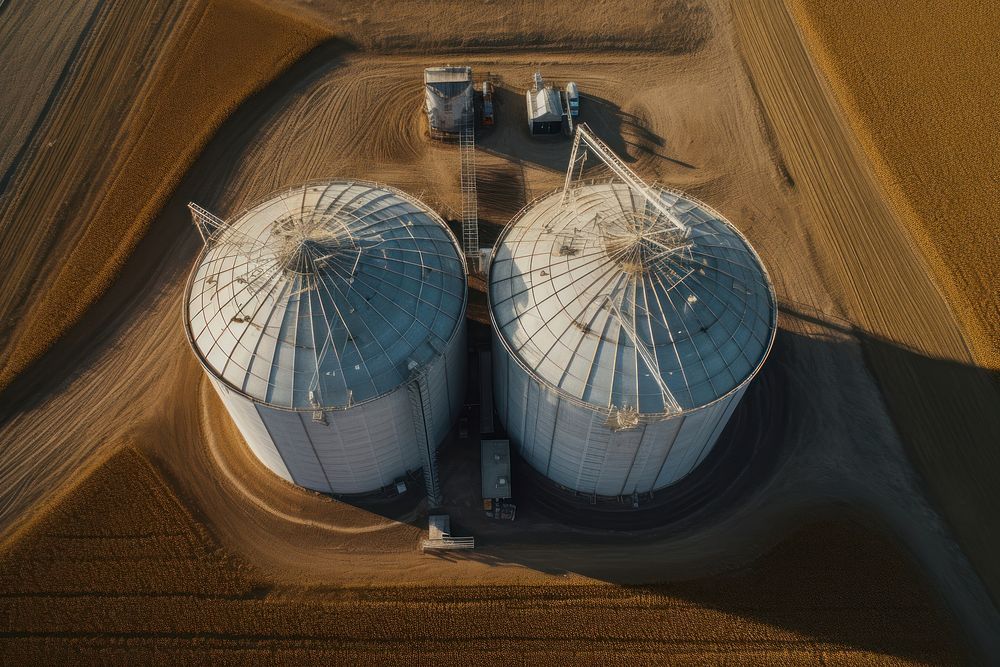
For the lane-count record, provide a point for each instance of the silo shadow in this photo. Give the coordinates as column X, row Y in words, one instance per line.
column 831, row 571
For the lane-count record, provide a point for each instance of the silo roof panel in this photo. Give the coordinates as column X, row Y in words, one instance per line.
column 321, row 296
column 608, row 303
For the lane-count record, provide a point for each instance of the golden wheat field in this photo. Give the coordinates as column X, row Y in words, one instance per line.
column 118, row 571
column 915, row 78
column 857, row 525
column 199, row 70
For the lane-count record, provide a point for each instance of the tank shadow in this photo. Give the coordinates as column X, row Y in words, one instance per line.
column 844, row 577
column 628, row 135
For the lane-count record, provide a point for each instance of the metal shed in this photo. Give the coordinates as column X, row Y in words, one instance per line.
column 495, row 464
column 330, row 318
column 624, row 337
column 545, row 112
column 448, row 97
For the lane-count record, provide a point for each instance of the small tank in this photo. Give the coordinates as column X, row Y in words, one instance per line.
column 573, row 94
column 487, row 103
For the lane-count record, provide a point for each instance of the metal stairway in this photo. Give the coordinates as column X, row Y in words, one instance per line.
column 470, row 203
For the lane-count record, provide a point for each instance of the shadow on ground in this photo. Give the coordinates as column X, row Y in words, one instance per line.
column 628, row 135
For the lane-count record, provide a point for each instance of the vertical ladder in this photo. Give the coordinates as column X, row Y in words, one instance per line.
column 423, row 424
column 470, row 204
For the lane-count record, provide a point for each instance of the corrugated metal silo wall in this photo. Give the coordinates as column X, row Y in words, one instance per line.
column 357, row 450
column 447, row 113
column 571, row 445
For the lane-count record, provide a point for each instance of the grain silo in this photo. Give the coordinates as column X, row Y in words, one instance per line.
column 628, row 321
column 331, row 320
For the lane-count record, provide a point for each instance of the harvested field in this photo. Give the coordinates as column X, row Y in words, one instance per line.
column 118, row 571
column 145, row 88
column 944, row 405
column 914, row 85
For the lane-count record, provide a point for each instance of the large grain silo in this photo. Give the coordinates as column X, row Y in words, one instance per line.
column 330, row 319
column 628, row 321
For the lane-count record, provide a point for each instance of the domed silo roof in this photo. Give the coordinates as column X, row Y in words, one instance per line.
column 603, row 299
column 326, row 295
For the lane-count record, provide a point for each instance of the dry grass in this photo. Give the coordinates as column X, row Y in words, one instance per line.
column 222, row 51
column 915, row 80
column 119, row 571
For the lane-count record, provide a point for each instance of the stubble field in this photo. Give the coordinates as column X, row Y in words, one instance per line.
column 119, row 572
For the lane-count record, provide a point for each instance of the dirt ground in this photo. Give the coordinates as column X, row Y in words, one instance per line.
column 144, row 87
column 118, row 571
column 697, row 95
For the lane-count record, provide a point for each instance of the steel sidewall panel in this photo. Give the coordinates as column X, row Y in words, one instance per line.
column 572, row 445
column 244, row 414
column 357, row 450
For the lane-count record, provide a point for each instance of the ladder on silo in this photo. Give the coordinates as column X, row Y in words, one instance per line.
column 592, row 143
column 470, row 203
column 423, row 422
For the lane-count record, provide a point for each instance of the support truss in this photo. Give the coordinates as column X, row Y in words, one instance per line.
column 620, row 169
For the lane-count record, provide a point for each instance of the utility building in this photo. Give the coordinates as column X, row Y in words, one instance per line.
column 495, row 463
column 448, row 98
column 545, row 113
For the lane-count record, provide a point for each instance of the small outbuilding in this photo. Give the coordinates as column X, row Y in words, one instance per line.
column 448, row 97
column 495, row 455
column 545, row 112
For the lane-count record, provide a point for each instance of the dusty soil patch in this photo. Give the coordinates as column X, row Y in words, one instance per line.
column 119, row 571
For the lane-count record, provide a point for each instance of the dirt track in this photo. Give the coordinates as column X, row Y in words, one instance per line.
column 691, row 119
column 946, row 408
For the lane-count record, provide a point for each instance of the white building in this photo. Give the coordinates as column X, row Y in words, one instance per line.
column 544, row 107
column 330, row 318
column 448, row 97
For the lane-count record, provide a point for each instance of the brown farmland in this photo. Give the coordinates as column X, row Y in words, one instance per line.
column 150, row 86
column 219, row 560
column 119, row 572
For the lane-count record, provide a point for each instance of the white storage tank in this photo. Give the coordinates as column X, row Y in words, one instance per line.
column 330, row 318
column 448, row 98
column 623, row 342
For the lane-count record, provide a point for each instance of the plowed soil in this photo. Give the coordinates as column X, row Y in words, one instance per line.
column 119, row 572
column 715, row 98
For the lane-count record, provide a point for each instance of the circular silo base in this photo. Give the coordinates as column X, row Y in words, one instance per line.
column 743, row 458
